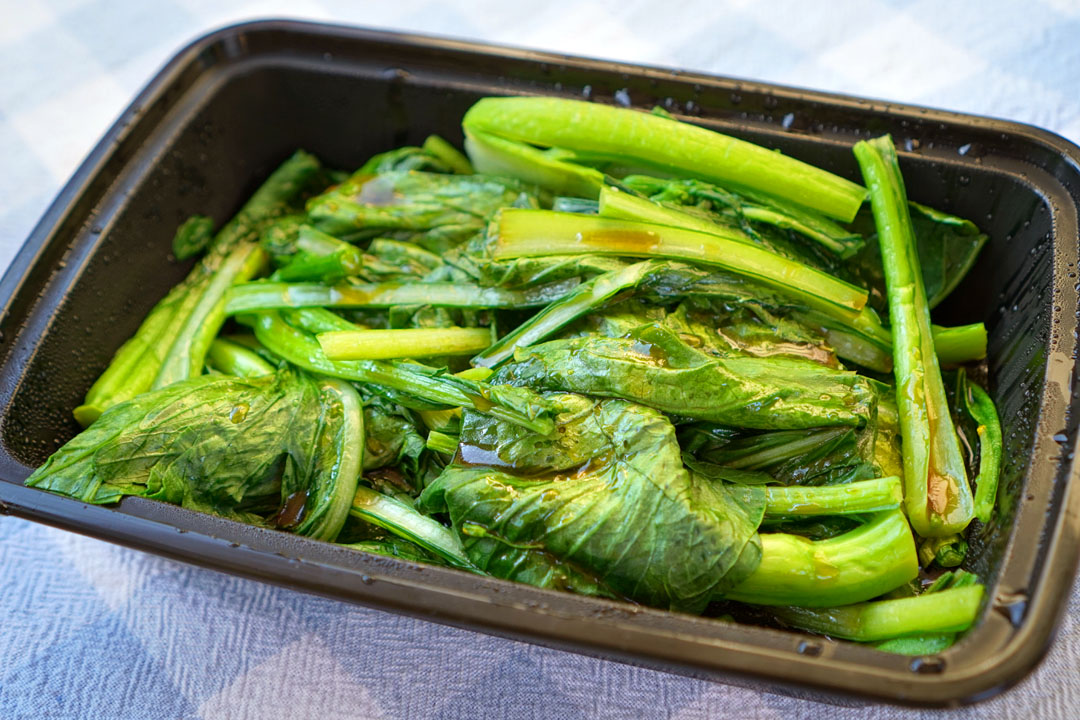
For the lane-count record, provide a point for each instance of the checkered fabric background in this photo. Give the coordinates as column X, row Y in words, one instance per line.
column 90, row 630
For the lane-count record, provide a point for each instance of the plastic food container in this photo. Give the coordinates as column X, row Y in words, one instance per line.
column 228, row 108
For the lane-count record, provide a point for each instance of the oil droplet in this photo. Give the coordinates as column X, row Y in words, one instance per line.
column 238, row 413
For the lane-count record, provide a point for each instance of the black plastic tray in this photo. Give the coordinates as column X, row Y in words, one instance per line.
column 228, row 108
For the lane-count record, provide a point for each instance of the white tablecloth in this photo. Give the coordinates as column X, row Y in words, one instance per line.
column 90, row 630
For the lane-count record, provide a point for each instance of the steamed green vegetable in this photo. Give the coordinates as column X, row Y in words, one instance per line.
column 529, row 233
column 271, row 450
column 937, row 494
column 607, row 496
column 173, row 339
column 679, row 148
column 604, row 351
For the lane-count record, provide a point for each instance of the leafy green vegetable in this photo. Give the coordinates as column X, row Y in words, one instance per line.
column 661, row 409
column 946, row 551
column 858, row 565
column 433, row 210
column 861, row 496
column 937, row 495
column 244, row 448
column 405, row 522
column 525, row 233
column 273, row 295
column 500, row 156
column 172, row 341
column 300, row 348
column 232, row 358
column 977, row 405
column 659, row 142
column 396, row 547
column 587, row 296
column 748, row 211
column 811, row 456
column 629, row 517
column 653, row 366
column 435, row 155
column 947, row 611
column 947, row 246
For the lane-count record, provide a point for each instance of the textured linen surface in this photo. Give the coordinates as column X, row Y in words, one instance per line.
column 92, row 630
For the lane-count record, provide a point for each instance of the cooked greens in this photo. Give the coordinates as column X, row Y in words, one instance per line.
column 606, row 352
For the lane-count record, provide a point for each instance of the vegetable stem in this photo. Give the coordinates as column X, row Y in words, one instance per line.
column 234, row 359
column 946, row 611
column 273, row 295
column 861, row 496
column 538, row 233
column 406, row 522
column 587, row 296
column 674, row 147
column 513, row 405
column 411, row 342
column 139, row 361
column 855, row 566
column 937, row 495
column 981, row 408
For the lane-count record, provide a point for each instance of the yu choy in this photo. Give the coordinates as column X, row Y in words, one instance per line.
column 601, row 351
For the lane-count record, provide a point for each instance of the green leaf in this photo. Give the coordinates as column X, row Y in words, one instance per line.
column 627, row 520
column 433, row 210
column 654, row 366
column 948, row 247
column 244, row 448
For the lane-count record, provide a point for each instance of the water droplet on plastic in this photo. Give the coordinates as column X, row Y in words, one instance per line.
column 963, row 179
column 586, row 92
column 366, row 579
column 1012, row 605
column 788, row 121
column 809, row 648
column 396, row 74
column 912, row 144
column 930, row 665
column 622, row 97
column 1061, row 438
column 736, row 98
